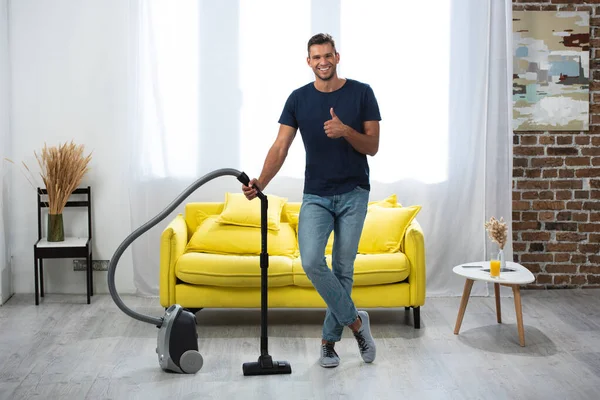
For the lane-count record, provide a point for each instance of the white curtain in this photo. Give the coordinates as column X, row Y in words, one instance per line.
column 212, row 77
column 5, row 275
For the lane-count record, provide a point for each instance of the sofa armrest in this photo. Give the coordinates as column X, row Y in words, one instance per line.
column 414, row 248
column 172, row 245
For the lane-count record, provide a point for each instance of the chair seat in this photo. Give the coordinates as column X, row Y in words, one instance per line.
column 68, row 242
column 71, row 247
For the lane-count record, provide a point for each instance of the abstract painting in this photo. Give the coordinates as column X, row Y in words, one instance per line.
column 551, row 70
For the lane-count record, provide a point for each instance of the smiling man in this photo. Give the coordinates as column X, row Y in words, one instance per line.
column 338, row 120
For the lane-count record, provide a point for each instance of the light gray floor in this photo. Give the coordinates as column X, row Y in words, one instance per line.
column 65, row 349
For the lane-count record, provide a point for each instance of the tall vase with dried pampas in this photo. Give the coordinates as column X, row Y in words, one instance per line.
column 62, row 170
column 497, row 232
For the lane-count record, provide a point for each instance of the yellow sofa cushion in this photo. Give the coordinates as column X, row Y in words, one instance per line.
column 384, row 229
column 214, row 237
column 232, row 270
column 376, row 269
column 238, row 210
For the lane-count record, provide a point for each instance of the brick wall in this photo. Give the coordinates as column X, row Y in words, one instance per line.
column 556, row 184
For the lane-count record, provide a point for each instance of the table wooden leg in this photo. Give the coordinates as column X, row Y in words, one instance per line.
column 497, row 292
column 463, row 304
column 519, row 312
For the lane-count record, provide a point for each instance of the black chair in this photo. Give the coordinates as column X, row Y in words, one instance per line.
column 71, row 247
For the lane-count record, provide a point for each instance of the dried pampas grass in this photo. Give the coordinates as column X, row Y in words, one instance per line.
column 62, row 169
column 29, row 178
column 497, row 231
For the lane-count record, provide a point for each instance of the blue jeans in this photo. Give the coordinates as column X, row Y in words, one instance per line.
column 345, row 215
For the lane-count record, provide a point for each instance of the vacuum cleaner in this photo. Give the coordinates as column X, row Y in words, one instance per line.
column 177, row 344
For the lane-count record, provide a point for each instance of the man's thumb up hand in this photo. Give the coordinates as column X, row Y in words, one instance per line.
column 333, row 116
column 335, row 128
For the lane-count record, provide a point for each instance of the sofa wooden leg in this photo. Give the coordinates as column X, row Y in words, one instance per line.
column 406, row 308
column 417, row 317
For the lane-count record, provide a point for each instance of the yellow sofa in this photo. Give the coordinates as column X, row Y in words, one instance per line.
column 205, row 263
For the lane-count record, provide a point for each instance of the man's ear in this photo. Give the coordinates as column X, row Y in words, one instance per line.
column 308, row 61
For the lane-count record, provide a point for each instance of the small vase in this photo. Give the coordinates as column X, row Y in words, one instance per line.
column 502, row 260
column 56, row 232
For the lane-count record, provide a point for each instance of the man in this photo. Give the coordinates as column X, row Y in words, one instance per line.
column 339, row 123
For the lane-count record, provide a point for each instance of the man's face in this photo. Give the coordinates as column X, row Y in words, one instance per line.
column 323, row 60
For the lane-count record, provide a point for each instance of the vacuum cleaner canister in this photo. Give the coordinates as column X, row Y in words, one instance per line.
column 178, row 342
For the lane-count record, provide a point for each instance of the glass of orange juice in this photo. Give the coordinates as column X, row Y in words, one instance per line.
column 494, row 268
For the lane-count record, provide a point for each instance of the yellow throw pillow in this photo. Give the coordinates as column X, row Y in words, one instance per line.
column 329, row 245
column 200, row 217
column 384, row 229
column 390, row 201
column 238, row 210
column 292, row 217
column 214, row 237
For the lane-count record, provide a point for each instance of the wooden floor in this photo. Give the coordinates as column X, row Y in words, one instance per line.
column 65, row 349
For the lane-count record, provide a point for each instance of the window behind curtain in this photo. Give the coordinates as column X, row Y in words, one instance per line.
column 399, row 48
column 273, row 38
column 168, row 100
column 402, row 50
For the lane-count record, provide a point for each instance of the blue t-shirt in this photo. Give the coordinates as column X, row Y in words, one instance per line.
column 333, row 166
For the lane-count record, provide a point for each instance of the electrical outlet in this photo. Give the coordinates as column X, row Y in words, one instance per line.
column 97, row 265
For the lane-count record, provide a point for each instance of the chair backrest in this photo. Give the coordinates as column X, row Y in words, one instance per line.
column 87, row 191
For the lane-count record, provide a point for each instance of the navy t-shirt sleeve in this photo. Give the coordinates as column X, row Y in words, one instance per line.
column 371, row 108
column 288, row 115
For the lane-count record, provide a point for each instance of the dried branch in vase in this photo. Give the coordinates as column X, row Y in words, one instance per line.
column 29, row 176
column 62, row 170
column 497, row 231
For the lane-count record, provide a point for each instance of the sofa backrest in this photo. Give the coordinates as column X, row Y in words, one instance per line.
column 216, row 208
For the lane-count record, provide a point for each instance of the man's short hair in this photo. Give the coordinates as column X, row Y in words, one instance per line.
column 321, row 38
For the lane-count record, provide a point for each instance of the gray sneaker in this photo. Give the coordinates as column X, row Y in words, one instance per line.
column 366, row 343
column 329, row 358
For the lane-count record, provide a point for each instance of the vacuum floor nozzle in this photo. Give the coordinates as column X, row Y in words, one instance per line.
column 266, row 366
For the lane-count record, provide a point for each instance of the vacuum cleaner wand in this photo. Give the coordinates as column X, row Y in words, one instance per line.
column 265, row 364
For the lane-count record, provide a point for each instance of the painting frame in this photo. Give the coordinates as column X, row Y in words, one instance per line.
column 551, row 70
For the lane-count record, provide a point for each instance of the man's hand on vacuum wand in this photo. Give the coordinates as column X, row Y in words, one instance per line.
column 250, row 190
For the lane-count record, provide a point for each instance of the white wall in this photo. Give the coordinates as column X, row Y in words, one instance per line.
column 5, row 271
column 69, row 63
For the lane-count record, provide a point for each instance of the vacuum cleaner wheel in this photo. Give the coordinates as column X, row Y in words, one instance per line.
column 191, row 361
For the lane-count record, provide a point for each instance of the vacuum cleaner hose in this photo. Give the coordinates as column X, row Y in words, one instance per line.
column 242, row 177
